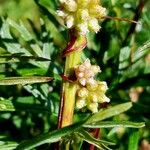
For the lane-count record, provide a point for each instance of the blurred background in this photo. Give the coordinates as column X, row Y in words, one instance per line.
column 32, row 38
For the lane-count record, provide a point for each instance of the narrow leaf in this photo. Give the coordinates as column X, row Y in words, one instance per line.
column 111, row 124
column 107, row 113
column 88, row 138
column 8, row 145
column 24, row 80
column 12, row 58
column 6, row 105
column 133, row 140
column 51, row 137
column 21, row 29
column 142, row 51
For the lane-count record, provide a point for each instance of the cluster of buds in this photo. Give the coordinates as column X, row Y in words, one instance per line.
column 82, row 15
column 90, row 92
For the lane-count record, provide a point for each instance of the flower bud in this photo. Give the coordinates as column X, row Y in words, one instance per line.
column 70, row 5
column 96, row 69
column 91, row 84
column 83, row 92
column 80, row 103
column 103, row 98
column 93, row 25
column 69, row 21
column 61, row 13
column 83, row 28
column 87, row 63
column 93, row 107
column 82, row 81
column 92, row 97
column 102, row 86
column 88, row 73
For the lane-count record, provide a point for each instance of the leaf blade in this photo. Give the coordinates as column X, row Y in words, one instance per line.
column 110, row 112
column 111, row 124
column 24, row 80
column 51, row 137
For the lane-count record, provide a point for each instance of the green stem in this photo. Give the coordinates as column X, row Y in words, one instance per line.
column 69, row 88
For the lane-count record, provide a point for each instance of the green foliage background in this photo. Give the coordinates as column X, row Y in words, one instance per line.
column 31, row 41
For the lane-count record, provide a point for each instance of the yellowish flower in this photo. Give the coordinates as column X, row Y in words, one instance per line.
column 91, row 92
column 81, row 15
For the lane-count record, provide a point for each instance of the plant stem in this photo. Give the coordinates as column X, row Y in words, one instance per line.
column 69, row 89
column 73, row 58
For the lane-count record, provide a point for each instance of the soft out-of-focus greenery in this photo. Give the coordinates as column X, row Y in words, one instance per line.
column 31, row 42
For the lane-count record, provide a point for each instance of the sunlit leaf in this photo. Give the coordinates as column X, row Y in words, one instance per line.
column 111, row 124
column 6, row 105
column 12, row 58
column 23, row 80
column 133, row 140
column 7, row 145
column 109, row 112
column 88, row 138
column 21, row 29
column 51, row 137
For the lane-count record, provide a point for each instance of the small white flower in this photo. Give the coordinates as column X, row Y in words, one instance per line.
column 84, row 14
column 96, row 69
column 80, row 74
column 93, row 25
column 70, row 5
column 83, row 28
column 87, row 63
column 61, row 13
column 102, row 86
column 69, row 21
column 83, row 92
column 80, row 103
column 93, row 107
column 82, row 81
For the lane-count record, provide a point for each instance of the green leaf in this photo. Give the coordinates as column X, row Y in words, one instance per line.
column 24, row 80
column 13, row 58
column 6, row 105
column 109, row 112
column 51, row 137
column 133, row 140
column 7, row 145
column 21, row 29
column 142, row 51
column 22, row 103
column 111, row 124
column 88, row 138
column 47, row 5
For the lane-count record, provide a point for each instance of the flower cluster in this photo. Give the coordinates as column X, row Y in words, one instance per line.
column 90, row 92
column 82, row 15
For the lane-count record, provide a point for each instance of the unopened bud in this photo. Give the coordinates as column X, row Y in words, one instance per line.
column 69, row 21
column 61, row 13
column 93, row 107
column 83, row 28
column 93, row 25
column 102, row 86
column 93, row 97
column 83, row 92
column 70, row 5
column 103, row 98
column 82, row 81
column 91, row 84
column 87, row 63
column 89, row 73
column 80, row 103
column 96, row 69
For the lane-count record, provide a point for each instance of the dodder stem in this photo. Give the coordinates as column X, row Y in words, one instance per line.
column 73, row 58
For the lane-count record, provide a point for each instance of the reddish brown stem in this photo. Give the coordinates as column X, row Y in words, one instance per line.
column 96, row 134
